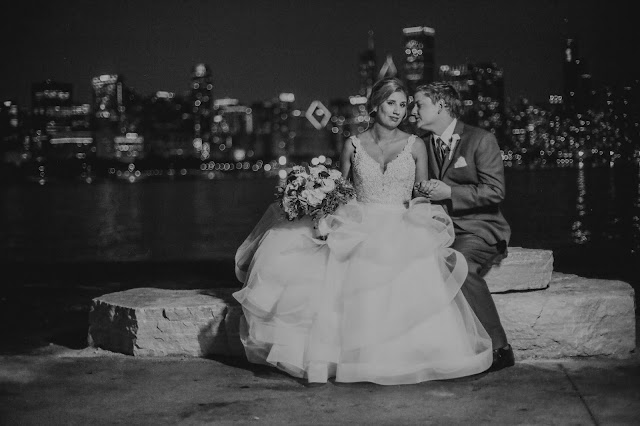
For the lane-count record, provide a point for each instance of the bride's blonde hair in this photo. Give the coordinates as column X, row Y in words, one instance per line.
column 381, row 91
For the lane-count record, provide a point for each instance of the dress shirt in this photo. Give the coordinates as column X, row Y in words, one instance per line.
column 446, row 136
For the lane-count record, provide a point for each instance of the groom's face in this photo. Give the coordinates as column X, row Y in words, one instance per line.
column 425, row 111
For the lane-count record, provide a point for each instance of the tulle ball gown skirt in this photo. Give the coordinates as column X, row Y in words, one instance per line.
column 378, row 300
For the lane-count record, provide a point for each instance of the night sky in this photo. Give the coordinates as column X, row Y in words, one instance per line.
column 257, row 49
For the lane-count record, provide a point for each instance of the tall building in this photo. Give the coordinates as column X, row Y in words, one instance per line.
column 108, row 113
column 419, row 59
column 310, row 141
column 232, row 126
column 130, row 144
column 262, row 129
column 283, row 134
column 481, row 87
column 578, row 94
column 201, row 97
column 49, row 102
column 367, row 68
column 13, row 132
column 61, row 129
column 166, row 132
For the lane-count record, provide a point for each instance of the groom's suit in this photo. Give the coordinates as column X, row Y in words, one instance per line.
column 475, row 173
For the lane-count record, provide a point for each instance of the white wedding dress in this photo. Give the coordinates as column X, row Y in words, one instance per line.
column 379, row 300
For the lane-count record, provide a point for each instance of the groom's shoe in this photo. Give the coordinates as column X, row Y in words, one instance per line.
column 502, row 358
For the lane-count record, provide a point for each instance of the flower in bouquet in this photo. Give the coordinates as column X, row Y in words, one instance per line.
column 313, row 191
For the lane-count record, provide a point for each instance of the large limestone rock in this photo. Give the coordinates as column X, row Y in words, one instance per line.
column 575, row 316
column 523, row 269
column 156, row 322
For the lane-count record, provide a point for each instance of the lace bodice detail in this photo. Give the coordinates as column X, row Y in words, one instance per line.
column 394, row 185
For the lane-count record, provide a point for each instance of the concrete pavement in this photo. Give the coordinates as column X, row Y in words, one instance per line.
column 56, row 385
column 49, row 377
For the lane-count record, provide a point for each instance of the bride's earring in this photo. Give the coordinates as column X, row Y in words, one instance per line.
column 368, row 122
column 374, row 110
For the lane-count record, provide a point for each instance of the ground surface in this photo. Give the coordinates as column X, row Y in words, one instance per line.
column 49, row 376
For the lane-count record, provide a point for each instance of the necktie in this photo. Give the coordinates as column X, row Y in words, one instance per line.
column 442, row 149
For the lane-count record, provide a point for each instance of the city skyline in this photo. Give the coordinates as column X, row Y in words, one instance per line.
column 310, row 50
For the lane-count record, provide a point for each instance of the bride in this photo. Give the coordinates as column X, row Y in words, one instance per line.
column 379, row 299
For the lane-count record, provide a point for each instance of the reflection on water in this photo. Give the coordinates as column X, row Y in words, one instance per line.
column 635, row 218
column 578, row 212
column 113, row 221
column 580, row 233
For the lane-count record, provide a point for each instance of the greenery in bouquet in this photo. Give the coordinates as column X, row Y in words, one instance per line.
column 313, row 191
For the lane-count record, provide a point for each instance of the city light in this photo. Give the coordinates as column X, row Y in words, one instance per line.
column 318, row 108
column 418, row 30
column 164, row 95
column 287, row 97
column 223, row 102
column 572, row 128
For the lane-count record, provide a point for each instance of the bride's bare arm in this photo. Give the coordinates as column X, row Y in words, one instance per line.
column 419, row 151
column 345, row 159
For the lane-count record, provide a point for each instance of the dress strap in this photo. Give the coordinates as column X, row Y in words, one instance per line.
column 410, row 142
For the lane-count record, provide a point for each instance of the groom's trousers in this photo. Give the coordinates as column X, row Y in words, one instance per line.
column 481, row 256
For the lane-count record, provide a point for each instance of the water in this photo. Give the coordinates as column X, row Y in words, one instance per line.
column 588, row 217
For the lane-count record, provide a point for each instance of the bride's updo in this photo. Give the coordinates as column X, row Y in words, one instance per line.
column 381, row 91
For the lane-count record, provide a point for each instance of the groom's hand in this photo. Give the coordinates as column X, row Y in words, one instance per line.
column 439, row 190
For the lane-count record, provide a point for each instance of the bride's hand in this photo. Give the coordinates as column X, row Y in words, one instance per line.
column 423, row 187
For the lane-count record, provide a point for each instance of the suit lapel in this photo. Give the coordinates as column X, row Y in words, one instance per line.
column 447, row 162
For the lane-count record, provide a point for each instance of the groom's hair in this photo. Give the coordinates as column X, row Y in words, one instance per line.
column 443, row 91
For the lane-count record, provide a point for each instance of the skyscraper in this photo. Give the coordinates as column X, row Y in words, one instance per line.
column 108, row 108
column 577, row 88
column 50, row 104
column 570, row 72
column 166, row 132
column 419, row 63
column 231, row 130
column 201, row 97
column 13, row 129
column 367, row 68
column 283, row 134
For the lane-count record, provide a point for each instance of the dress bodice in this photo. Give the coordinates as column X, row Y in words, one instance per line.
column 393, row 185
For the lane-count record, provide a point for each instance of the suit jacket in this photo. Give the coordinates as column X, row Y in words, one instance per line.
column 476, row 175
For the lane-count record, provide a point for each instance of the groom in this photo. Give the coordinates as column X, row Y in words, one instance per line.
column 466, row 176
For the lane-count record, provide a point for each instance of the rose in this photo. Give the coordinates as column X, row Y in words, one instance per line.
column 314, row 197
column 310, row 184
column 335, row 174
column 317, row 169
column 327, row 186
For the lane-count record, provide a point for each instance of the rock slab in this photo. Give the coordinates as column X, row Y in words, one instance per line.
column 523, row 269
column 158, row 322
column 574, row 317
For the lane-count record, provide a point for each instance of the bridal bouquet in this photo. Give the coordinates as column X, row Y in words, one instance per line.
column 313, row 191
